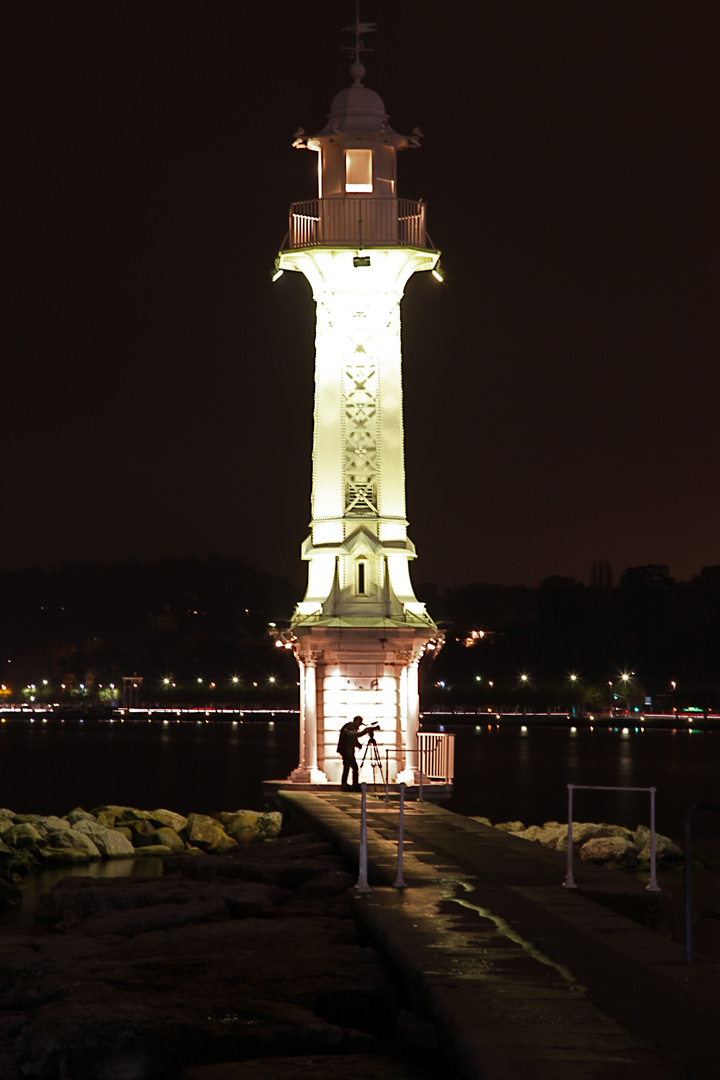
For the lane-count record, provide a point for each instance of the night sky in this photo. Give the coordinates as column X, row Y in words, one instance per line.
column 561, row 386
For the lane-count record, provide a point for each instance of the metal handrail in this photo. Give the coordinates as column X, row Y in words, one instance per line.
column 352, row 221
column 691, row 919
column 569, row 883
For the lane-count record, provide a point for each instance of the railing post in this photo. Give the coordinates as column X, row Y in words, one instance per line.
column 399, row 883
column 362, row 881
column 652, row 884
column 569, row 882
column 420, row 770
column 387, row 776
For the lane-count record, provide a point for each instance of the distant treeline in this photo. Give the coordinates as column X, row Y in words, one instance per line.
column 197, row 628
column 648, row 626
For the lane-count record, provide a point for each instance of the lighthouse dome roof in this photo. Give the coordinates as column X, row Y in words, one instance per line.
column 358, row 111
column 356, row 108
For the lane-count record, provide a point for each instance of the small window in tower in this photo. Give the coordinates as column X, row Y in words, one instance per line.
column 361, row 579
column 358, row 170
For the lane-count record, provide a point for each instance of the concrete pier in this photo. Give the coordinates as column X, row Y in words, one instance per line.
column 524, row 979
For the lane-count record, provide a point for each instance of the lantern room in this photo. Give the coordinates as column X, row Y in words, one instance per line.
column 357, row 204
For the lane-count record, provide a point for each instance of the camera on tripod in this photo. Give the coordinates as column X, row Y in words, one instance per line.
column 373, row 727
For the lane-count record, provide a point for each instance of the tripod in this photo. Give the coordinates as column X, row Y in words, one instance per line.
column 371, row 747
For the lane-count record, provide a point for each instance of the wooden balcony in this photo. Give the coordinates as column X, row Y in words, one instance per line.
column 353, row 221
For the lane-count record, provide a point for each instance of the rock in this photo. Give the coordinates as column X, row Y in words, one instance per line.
column 79, row 815
column 123, row 830
column 510, row 826
column 249, row 826
column 24, row 837
column 111, row 843
column 10, row 891
column 150, row 977
column 44, row 823
column 107, row 818
column 153, row 850
column 533, row 832
column 167, row 818
column 143, row 833
column 482, row 820
column 616, row 850
column 118, row 813
column 68, row 846
column 331, row 883
column 101, row 904
column 207, row 833
column 665, row 852
column 170, row 838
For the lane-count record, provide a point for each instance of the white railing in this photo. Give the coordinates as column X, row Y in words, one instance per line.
column 437, row 756
column 357, row 222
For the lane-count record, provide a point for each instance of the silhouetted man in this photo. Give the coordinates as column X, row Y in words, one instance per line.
column 348, row 743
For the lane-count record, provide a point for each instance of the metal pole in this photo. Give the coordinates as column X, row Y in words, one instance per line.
column 399, row 883
column 569, row 882
column 652, row 885
column 387, row 777
column 362, row 881
column 420, row 770
column 687, row 867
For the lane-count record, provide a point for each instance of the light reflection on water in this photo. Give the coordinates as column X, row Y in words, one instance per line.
column 502, row 772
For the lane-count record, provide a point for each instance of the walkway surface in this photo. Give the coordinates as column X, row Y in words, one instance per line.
column 524, row 979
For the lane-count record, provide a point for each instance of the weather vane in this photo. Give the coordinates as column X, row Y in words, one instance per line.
column 357, row 70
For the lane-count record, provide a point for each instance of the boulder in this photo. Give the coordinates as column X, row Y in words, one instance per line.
column 68, row 846
column 207, row 833
column 167, row 818
column 118, row 812
column 153, row 850
column 666, row 851
column 24, row 837
column 250, row 826
column 615, row 850
column 510, row 826
column 170, row 838
column 482, row 820
column 111, row 843
column 79, row 815
column 143, row 833
column 44, row 823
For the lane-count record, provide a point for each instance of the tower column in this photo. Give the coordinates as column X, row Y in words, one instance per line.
column 360, row 631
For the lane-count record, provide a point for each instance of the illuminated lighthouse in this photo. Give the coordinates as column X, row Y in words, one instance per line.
column 359, row 633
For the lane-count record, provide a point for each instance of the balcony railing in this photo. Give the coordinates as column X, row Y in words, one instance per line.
column 357, row 222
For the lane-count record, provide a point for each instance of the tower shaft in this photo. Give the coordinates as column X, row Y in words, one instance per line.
column 359, row 632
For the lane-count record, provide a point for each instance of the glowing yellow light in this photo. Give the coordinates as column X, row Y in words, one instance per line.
column 358, row 170
column 437, row 275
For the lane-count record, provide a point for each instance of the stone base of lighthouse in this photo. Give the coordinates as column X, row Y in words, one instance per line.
column 355, row 670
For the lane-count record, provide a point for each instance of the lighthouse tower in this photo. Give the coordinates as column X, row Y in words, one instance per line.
column 359, row 633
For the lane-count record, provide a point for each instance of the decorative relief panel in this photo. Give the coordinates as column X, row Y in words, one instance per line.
column 360, row 407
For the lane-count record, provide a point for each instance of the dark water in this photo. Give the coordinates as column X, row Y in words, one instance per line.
column 500, row 772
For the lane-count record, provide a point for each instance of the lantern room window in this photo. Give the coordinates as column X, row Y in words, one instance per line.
column 358, row 170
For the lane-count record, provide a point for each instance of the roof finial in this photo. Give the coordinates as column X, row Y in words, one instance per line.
column 357, row 70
